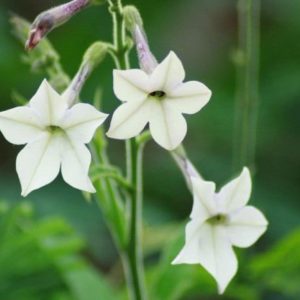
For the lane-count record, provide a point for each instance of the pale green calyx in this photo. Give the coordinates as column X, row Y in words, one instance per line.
column 132, row 18
column 95, row 53
column 93, row 56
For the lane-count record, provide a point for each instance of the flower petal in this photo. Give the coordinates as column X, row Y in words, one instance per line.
column 130, row 119
column 81, row 121
column 236, row 193
column 194, row 232
column 168, row 74
column 189, row 97
column 20, row 125
column 48, row 104
column 246, row 226
column 204, row 205
column 131, row 85
column 76, row 160
column 209, row 246
column 168, row 127
column 38, row 163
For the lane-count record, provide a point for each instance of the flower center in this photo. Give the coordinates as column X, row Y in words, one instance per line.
column 218, row 219
column 54, row 129
column 158, row 95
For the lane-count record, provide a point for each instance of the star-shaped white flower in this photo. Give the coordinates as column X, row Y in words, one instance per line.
column 55, row 135
column 218, row 222
column 160, row 99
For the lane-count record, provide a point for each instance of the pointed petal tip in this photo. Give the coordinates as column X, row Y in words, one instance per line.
column 24, row 194
column 91, row 190
column 89, row 187
column 26, row 191
column 175, row 261
column 172, row 53
column 221, row 289
column 245, row 170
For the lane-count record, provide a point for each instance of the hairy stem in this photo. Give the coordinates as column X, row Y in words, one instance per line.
column 247, row 95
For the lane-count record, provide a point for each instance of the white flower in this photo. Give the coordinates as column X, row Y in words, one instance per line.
column 55, row 136
column 218, row 222
column 160, row 99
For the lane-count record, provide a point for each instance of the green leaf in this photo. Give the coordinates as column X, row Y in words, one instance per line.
column 87, row 284
column 278, row 268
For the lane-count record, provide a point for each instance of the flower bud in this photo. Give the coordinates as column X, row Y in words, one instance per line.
column 132, row 18
column 134, row 24
column 52, row 18
column 95, row 53
column 93, row 56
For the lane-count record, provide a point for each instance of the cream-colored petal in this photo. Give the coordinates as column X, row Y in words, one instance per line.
column 168, row 127
column 204, row 205
column 209, row 246
column 131, row 85
column 48, row 104
column 168, row 74
column 189, row 97
column 129, row 119
column 38, row 163
column 246, row 226
column 194, row 235
column 236, row 193
column 76, row 160
column 81, row 121
column 20, row 125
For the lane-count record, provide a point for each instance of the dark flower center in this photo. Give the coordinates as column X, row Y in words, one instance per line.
column 218, row 219
column 54, row 129
column 159, row 95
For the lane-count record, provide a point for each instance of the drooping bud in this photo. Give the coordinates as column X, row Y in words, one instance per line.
column 52, row 18
column 132, row 17
column 134, row 24
column 93, row 56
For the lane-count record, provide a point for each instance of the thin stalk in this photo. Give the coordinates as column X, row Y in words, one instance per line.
column 185, row 165
column 135, row 254
column 132, row 258
column 247, row 94
column 109, row 201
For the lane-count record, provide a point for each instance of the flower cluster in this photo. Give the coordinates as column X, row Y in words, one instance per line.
column 55, row 130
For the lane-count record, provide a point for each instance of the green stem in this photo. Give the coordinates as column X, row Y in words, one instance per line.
column 108, row 199
column 133, row 257
column 247, row 84
column 135, row 228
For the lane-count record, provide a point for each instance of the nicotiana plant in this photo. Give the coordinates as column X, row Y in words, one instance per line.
column 56, row 127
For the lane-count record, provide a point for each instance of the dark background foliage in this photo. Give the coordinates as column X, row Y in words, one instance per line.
column 204, row 34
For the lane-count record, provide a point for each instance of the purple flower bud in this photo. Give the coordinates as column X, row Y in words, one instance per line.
column 134, row 24
column 146, row 59
column 52, row 18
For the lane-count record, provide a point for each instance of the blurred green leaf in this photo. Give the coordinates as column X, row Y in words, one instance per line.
column 43, row 257
column 42, row 59
column 278, row 268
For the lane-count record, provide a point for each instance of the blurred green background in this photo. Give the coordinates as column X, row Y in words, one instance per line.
column 204, row 34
